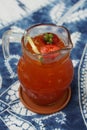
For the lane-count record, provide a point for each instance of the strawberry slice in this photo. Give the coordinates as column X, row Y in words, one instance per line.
column 49, row 48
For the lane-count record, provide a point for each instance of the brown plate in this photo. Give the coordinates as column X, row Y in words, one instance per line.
column 49, row 109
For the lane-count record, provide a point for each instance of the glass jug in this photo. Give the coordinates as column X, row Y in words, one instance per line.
column 44, row 82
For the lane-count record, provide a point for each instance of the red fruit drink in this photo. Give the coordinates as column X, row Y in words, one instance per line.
column 45, row 80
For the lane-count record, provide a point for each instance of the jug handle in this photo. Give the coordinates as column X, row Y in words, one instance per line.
column 13, row 35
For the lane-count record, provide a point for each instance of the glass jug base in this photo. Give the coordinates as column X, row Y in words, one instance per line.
column 49, row 109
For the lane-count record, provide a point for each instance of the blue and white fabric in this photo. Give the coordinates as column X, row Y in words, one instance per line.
column 22, row 14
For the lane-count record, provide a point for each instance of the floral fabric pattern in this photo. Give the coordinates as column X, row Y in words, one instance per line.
column 21, row 14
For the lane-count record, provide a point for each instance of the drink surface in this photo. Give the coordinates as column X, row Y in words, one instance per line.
column 46, row 43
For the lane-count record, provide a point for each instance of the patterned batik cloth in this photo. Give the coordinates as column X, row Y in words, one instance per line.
column 21, row 14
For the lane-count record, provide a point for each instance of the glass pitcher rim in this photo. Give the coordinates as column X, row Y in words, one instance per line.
column 52, row 52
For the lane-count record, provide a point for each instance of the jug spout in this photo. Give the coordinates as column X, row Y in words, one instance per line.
column 64, row 34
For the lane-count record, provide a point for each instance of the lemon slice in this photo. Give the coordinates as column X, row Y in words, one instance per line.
column 34, row 48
